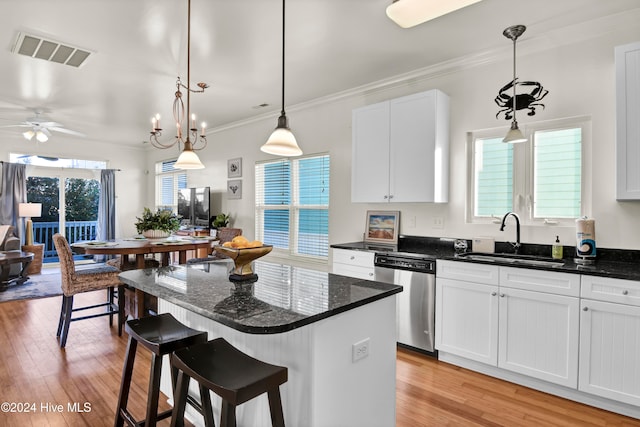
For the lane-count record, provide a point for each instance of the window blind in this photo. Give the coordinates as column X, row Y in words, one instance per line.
column 168, row 181
column 292, row 204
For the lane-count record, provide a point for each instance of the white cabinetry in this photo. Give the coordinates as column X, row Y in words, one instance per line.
column 610, row 339
column 401, row 150
column 352, row 263
column 627, row 129
column 525, row 321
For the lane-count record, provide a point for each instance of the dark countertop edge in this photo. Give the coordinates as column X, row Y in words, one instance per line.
column 256, row 330
column 442, row 249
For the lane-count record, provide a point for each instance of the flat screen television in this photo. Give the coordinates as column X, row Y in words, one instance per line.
column 193, row 206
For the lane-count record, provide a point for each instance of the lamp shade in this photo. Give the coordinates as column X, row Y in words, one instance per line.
column 188, row 159
column 282, row 142
column 28, row 135
column 514, row 135
column 30, row 210
column 409, row 13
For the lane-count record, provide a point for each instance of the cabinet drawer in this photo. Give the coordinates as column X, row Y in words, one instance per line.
column 358, row 272
column 611, row 290
column 540, row 281
column 467, row 271
column 359, row 258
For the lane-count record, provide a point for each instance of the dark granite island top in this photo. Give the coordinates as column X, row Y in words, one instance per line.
column 336, row 335
column 283, row 298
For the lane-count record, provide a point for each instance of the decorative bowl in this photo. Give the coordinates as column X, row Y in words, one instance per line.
column 156, row 234
column 242, row 259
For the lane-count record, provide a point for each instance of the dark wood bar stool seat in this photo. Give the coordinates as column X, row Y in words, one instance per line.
column 161, row 334
column 233, row 375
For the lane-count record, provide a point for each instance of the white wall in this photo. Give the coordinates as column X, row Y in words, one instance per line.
column 579, row 75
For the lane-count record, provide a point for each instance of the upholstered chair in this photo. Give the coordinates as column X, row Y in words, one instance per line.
column 86, row 280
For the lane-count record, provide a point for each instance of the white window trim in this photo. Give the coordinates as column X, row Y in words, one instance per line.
column 523, row 183
column 158, row 183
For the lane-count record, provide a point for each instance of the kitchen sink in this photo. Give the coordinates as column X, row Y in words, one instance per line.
column 515, row 259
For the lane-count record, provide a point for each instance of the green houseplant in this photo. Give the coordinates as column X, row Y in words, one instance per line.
column 221, row 220
column 157, row 225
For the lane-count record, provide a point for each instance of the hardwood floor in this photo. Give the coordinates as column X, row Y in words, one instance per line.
column 36, row 373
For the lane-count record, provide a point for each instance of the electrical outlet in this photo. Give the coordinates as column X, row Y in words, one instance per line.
column 360, row 350
column 438, row 222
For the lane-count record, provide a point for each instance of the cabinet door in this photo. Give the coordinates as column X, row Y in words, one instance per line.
column 467, row 320
column 370, row 154
column 412, row 170
column 627, row 130
column 610, row 351
column 539, row 335
column 358, row 264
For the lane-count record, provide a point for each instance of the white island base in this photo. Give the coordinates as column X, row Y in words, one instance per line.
column 326, row 387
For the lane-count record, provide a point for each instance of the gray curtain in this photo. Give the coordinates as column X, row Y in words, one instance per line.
column 106, row 228
column 13, row 192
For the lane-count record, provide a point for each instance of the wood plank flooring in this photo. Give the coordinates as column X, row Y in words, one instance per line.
column 36, row 373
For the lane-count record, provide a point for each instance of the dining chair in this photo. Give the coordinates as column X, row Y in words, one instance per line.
column 86, row 280
column 225, row 234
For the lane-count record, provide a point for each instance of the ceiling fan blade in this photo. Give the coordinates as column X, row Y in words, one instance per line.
column 45, row 131
column 67, row 131
column 16, row 126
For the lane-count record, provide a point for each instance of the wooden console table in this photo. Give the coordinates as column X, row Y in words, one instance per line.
column 7, row 259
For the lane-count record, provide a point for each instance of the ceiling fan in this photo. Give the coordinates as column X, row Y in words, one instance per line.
column 40, row 127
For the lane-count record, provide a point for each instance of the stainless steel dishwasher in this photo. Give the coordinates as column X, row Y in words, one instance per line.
column 416, row 303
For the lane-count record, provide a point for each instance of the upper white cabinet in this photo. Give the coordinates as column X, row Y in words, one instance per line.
column 627, row 129
column 401, row 150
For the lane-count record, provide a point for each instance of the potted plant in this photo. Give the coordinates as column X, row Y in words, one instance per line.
column 157, row 225
column 219, row 221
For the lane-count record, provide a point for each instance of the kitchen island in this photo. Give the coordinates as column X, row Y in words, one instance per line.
column 335, row 334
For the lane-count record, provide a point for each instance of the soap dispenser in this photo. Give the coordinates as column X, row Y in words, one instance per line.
column 556, row 249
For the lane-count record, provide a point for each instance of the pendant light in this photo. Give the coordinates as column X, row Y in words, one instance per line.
column 515, row 134
column 282, row 142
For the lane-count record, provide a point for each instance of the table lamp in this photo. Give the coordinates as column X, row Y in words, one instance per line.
column 29, row 210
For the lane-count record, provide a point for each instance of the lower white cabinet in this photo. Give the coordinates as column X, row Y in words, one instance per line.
column 538, row 335
column 529, row 332
column 353, row 263
column 467, row 319
column 610, row 339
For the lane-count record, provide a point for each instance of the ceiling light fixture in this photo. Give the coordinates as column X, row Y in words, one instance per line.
column 282, row 142
column 514, row 135
column 188, row 159
column 409, row 13
column 40, row 134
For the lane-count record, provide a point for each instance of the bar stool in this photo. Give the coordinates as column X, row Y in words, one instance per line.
column 161, row 334
column 233, row 375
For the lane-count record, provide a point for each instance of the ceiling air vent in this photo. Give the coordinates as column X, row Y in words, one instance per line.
column 49, row 50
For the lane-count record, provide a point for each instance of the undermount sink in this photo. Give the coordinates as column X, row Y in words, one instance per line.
column 512, row 259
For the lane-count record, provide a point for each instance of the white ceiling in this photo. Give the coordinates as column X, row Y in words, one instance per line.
column 332, row 45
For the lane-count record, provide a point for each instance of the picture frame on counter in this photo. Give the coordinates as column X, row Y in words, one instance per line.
column 234, row 189
column 382, row 227
column 234, row 168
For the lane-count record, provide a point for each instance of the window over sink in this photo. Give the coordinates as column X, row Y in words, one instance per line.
column 542, row 180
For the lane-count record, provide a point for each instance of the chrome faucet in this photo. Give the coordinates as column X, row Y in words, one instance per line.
column 516, row 245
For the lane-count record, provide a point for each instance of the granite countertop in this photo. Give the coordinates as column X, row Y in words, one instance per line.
column 615, row 263
column 283, row 298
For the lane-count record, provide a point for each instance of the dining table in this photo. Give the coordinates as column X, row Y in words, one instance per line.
column 139, row 306
column 142, row 247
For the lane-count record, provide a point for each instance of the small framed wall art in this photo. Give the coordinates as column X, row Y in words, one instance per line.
column 234, row 168
column 234, row 189
column 382, row 227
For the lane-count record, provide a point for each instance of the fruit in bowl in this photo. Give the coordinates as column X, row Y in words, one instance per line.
column 243, row 254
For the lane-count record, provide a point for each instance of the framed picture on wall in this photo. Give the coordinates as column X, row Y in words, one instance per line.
column 234, row 189
column 234, row 168
column 382, row 227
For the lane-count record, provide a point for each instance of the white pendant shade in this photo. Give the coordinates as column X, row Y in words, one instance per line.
column 514, row 135
column 188, row 160
column 282, row 142
column 409, row 13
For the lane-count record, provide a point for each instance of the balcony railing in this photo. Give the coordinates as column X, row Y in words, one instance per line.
column 74, row 231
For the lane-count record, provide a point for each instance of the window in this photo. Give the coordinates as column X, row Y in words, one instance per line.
column 292, row 205
column 168, row 181
column 541, row 180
